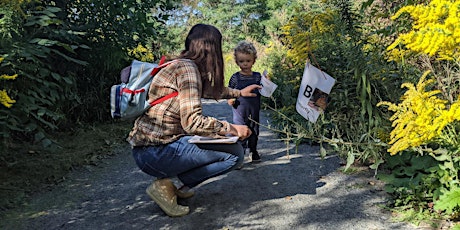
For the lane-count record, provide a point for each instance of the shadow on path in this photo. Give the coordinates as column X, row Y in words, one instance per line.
column 295, row 191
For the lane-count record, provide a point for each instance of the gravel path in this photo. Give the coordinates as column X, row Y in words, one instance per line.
column 285, row 191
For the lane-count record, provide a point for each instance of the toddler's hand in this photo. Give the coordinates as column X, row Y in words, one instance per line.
column 230, row 102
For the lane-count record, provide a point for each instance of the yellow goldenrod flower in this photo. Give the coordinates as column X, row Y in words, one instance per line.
column 8, row 77
column 141, row 53
column 302, row 32
column 420, row 117
column 435, row 30
column 5, row 99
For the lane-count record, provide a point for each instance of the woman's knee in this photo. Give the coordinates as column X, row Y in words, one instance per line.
column 238, row 152
column 239, row 162
column 146, row 162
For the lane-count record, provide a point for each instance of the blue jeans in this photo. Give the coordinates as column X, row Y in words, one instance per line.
column 191, row 163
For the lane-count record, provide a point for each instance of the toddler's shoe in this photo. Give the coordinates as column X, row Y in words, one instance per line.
column 255, row 157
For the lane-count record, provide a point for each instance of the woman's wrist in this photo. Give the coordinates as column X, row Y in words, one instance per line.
column 231, row 130
column 226, row 129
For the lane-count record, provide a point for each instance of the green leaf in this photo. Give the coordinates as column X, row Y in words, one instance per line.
column 41, row 112
column 70, row 58
column 350, row 159
column 39, row 136
column 46, row 142
column 50, row 11
column 56, row 76
column 376, row 164
column 44, row 42
column 322, row 151
column 443, row 157
column 448, row 201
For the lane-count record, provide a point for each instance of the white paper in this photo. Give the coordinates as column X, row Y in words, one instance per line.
column 268, row 87
column 313, row 93
column 209, row 140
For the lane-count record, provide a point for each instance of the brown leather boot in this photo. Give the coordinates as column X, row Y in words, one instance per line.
column 162, row 191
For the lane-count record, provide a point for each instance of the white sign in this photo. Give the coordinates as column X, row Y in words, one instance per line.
column 268, row 87
column 313, row 93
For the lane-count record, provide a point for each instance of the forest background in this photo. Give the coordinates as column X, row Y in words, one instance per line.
column 394, row 106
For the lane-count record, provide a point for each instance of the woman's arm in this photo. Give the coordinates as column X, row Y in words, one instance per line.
column 229, row 93
column 242, row 131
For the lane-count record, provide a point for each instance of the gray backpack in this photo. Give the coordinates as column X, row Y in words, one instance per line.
column 128, row 100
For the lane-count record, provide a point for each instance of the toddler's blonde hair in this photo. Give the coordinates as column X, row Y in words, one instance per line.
column 246, row 48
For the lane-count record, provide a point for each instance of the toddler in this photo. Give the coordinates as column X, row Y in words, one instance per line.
column 246, row 109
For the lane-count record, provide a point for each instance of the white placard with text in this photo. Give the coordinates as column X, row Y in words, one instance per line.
column 313, row 93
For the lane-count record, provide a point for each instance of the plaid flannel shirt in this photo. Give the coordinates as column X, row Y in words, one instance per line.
column 181, row 115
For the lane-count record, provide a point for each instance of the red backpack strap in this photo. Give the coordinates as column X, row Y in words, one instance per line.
column 162, row 60
column 164, row 98
column 161, row 64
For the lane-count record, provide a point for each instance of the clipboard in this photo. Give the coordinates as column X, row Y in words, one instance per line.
column 209, row 140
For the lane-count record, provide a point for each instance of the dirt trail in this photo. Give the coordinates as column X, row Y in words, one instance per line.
column 299, row 191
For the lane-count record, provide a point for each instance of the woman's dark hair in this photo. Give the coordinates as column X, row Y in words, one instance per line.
column 203, row 45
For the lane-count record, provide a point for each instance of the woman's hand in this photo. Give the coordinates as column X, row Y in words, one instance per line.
column 242, row 131
column 247, row 92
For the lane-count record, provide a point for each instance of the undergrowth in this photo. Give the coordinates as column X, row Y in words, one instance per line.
column 27, row 169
